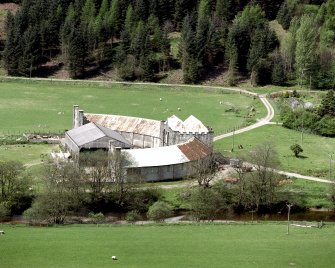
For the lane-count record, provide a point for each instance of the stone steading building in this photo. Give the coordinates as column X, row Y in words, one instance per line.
column 159, row 150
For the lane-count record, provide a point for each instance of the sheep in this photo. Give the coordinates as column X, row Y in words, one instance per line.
column 160, row 99
column 114, row 258
column 179, row 109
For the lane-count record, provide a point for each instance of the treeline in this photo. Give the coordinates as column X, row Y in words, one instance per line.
column 98, row 184
column 320, row 120
column 133, row 37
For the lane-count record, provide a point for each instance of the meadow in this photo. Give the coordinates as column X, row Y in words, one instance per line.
column 314, row 160
column 189, row 245
column 29, row 154
column 45, row 106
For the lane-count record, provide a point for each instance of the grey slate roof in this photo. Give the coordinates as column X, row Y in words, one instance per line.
column 91, row 132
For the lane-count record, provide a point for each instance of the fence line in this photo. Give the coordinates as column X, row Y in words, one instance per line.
column 9, row 133
column 231, row 129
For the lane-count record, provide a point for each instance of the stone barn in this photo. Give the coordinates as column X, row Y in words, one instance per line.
column 92, row 137
column 148, row 133
column 169, row 162
column 158, row 150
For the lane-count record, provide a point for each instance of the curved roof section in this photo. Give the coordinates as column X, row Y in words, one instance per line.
column 191, row 150
column 126, row 123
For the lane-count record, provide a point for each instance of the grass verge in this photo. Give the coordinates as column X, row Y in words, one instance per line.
column 194, row 245
column 314, row 160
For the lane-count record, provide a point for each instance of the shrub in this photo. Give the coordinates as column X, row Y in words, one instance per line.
column 326, row 126
column 206, row 203
column 133, row 216
column 32, row 215
column 296, row 149
column 159, row 211
column 4, row 211
column 141, row 200
column 97, row 217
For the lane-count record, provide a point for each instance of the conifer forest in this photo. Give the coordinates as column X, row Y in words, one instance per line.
column 275, row 42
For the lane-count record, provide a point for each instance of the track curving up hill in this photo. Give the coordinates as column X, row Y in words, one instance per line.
column 261, row 122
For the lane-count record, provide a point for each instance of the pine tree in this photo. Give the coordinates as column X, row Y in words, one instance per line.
column 77, row 51
column 233, row 68
column 182, row 8
column 130, row 21
column 202, row 27
column 115, row 18
column 101, row 28
column 50, row 29
column 285, row 15
column 263, row 42
column 278, row 75
column 139, row 42
column 11, row 55
column 88, row 12
column 327, row 106
column 31, row 51
column 225, row 10
column 188, row 50
column 140, row 10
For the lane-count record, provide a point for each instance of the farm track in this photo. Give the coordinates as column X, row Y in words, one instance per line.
column 264, row 121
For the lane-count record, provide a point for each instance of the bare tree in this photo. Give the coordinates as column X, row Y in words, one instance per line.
column 97, row 174
column 122, row 183
column 260, row 186
column 203, row 170
column 243, row 196
column 63, row 193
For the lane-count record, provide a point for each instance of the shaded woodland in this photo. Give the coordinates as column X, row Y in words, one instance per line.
column 134, row 38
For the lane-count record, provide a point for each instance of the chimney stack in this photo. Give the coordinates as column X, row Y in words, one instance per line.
column 75, row 116
column 80, row 118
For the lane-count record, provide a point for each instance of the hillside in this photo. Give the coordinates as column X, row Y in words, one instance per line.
column 221, row 42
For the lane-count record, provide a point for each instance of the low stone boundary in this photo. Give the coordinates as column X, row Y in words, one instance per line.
column 307, row 224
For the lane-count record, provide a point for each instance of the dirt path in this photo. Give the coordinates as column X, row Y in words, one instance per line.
column 299, row 176
column 261, row 122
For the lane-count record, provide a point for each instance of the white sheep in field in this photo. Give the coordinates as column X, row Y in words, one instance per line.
column 114, row 258
column 160, row 99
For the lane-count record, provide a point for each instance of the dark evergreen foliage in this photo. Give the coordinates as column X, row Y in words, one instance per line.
column 233, row 34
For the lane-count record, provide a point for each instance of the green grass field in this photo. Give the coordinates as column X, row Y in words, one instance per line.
column 309, row 193
column 28, row 154
column 198, row 245
column 47, row 106
column 314, row 160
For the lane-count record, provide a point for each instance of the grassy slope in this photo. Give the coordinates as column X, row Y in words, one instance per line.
column 309, row 193
column 46, row 106
column 29, row 154
column 314, row 161
column 203, row 245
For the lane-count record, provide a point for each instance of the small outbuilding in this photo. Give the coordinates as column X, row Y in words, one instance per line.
column 92, row 136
